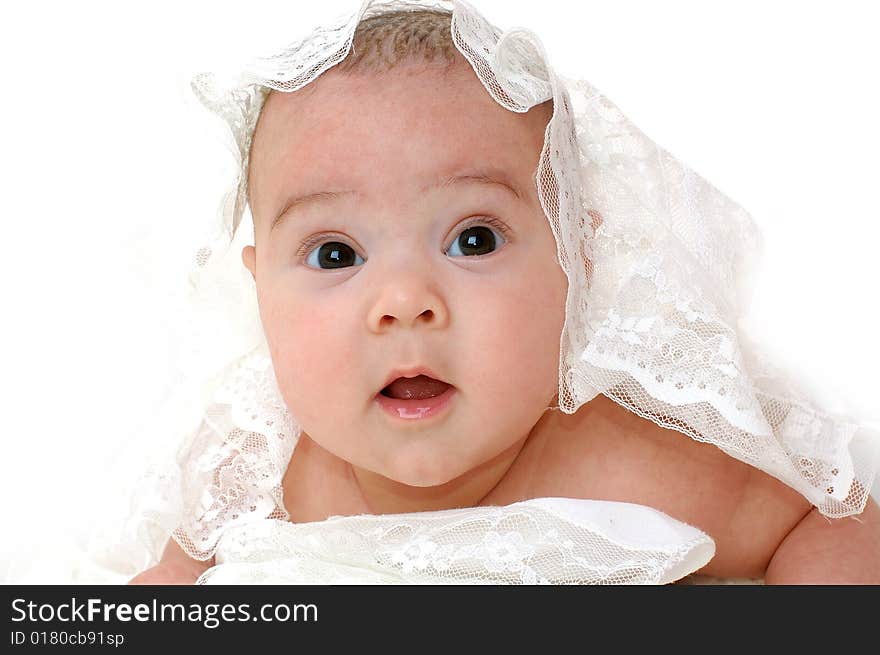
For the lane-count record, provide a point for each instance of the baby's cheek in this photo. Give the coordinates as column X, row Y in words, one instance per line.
column 321, row 354
column 523, row 335
column 301, row 343
column 308, row 338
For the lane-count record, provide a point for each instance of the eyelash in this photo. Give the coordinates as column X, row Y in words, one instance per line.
column 306, row 247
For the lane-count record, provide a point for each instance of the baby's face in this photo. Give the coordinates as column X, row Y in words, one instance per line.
column 417, row 240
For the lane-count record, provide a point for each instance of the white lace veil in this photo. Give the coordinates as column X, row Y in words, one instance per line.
column 659, row 266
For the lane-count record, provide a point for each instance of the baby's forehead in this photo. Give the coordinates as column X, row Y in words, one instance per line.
column 428, row 86
column 419, row 111
column 401, row 125
column 349, row 94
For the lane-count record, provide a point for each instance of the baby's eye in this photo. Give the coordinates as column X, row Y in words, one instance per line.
column 477, row 239
column 332, row 254
column 474, row 239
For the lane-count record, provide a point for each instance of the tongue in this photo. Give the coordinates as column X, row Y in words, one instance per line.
column 417, row 388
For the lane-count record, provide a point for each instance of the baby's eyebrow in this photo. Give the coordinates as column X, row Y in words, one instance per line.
column 495, row 178
column 300, row 201
column 491, row 177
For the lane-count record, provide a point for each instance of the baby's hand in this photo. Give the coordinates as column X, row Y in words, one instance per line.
column 167, row 573
column 175, row 567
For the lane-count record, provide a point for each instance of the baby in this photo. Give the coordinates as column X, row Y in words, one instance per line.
column 412, row 301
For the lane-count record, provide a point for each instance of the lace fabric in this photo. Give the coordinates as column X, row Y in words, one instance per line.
column 539, row 541
column 659, row 263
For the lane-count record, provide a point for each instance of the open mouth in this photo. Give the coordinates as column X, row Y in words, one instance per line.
column 417, row 388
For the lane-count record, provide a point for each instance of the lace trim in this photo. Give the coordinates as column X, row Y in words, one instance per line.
column 234, row 466
column 541, row 541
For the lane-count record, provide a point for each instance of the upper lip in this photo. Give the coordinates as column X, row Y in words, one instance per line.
column 411, row 372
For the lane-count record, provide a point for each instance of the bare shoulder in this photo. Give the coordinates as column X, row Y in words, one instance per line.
column 605, row 452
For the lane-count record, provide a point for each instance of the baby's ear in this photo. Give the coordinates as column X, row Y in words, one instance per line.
column 249, row 257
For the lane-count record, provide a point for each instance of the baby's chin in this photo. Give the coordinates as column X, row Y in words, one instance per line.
column 434, row 469
column 423, row 477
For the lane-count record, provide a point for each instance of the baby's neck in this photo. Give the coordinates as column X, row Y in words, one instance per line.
column 318, row 484
column 381, row 495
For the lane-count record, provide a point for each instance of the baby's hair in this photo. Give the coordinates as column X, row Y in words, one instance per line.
column 388, row 39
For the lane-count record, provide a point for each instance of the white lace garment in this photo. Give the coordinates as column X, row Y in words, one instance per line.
column 539, row 541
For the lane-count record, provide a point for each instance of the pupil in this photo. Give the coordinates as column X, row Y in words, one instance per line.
column 335, row 255
column 477, row 238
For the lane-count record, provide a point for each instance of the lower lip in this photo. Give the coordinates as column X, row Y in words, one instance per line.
column 414, row 409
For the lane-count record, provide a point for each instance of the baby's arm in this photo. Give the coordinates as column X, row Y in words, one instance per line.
column 829, row 551
column 175, row 567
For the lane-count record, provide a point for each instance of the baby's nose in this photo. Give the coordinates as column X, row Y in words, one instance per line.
column 408, row 301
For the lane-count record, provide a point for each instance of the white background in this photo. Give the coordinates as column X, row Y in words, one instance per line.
column 775, row 103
